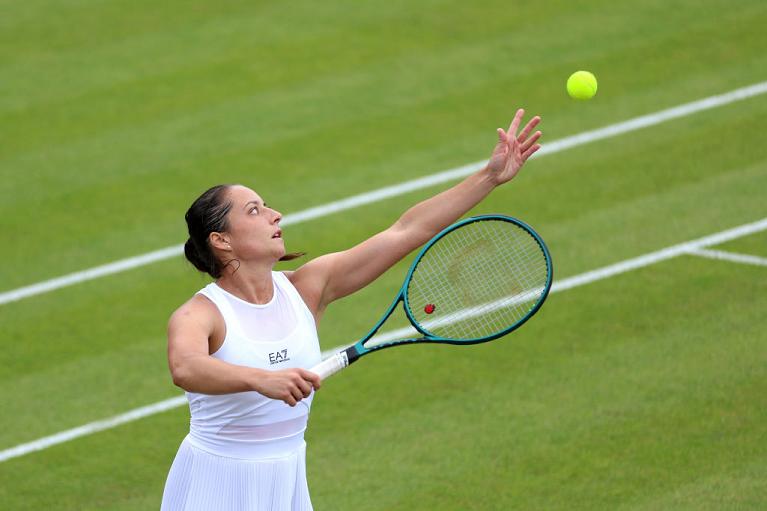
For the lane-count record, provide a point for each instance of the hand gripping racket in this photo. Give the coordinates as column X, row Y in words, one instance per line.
column 475, row 281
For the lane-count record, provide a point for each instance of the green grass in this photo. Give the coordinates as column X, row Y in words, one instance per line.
column 644, row 391
column 752, row 245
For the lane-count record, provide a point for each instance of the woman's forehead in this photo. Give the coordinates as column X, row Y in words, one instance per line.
column 242, row 194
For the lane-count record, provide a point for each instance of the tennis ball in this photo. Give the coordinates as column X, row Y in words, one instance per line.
column 582, row 85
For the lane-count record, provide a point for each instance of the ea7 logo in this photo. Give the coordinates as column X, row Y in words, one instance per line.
column 278, row 356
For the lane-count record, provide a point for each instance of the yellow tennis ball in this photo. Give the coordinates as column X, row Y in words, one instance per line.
column 582, row 85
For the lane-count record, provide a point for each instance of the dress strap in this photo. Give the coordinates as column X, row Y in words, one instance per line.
column 284, row 282
column 216, row 295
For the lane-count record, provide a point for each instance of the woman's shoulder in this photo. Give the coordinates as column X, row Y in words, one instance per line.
column 197, row 319
column 307, row 288
column 199, row 309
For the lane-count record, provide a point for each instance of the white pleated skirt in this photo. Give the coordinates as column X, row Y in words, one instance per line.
column 201, row 481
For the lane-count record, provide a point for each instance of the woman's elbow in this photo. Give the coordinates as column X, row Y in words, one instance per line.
column 181, row 377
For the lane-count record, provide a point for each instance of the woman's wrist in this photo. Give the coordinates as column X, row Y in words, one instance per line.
column 255, row 379
column 488, row 177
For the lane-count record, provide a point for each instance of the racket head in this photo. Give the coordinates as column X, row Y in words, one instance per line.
column 477, row 280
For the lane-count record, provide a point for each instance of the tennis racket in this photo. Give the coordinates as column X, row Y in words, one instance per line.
column 475, row 281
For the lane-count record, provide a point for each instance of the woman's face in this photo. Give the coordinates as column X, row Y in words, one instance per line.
column 253, row 227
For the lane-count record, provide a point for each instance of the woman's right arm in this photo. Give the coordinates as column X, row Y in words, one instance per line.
column 194, row 370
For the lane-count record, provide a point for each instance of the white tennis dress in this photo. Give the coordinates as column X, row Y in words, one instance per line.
column 245, row 451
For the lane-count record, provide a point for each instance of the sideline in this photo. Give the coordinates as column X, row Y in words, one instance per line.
column 561, row 285
column 398, row 189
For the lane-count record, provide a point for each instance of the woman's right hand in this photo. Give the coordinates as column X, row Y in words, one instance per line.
column 288, row 385
column 512, row 150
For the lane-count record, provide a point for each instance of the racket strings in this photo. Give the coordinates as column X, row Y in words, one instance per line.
column 513, row 299
column 478, row 280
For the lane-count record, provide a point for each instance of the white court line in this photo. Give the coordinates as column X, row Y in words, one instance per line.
column 560, row 285
column 399, row 189
column 730, row 256
column 627, row 265
column 92, row 427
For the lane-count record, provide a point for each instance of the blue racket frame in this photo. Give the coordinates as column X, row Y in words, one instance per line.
column 358, row 349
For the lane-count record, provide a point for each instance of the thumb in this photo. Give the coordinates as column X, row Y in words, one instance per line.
column 312, row 378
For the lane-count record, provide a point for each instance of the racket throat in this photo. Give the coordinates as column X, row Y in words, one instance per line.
column 351, row 354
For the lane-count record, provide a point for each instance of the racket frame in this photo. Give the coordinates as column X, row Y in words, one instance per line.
column 350, row 354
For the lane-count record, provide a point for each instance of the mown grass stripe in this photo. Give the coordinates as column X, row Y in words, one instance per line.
column 562, row 285
column 398, row 189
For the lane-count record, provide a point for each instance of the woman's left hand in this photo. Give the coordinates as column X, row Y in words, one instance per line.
column 512, row 150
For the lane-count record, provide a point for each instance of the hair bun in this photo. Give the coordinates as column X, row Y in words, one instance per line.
column 206, row 214
column 194, row 257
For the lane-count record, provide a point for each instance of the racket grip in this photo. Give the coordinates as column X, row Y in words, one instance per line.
column 331, row 365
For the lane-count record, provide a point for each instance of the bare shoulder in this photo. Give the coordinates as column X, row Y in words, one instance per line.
column 303, row 284
column 310, row 280
column 198, row 311
column 312, row 272
column 195, row 327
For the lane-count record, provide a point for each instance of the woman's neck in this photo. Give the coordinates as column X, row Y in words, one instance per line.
column 250, row 284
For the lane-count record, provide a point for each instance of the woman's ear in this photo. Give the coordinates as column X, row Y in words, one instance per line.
column 219, row 241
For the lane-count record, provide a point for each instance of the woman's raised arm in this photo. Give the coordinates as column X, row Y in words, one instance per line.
column 333, row 276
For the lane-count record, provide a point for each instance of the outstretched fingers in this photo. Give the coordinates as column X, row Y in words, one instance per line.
column 527, row 144
column 514, row 126
column 528, row 128
column 530, row 151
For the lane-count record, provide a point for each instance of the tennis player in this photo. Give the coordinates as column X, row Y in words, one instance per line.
column 241, row 346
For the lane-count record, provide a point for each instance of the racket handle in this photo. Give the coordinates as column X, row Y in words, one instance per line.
column 331, row 365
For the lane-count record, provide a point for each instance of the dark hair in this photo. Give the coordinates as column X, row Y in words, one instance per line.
column 208, row 214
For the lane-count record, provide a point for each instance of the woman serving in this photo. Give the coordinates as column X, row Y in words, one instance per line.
column 241, row 347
